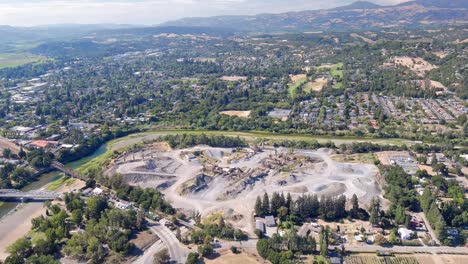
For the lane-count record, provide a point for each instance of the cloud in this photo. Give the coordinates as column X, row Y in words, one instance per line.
column 148, row 12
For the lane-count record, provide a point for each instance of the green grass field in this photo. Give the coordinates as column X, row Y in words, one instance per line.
column 338, row 85
column 294, row 88
column 337, row 70
column 60, row 182
column 9, row 60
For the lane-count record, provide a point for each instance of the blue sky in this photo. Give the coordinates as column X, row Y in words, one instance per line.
column 146, row 12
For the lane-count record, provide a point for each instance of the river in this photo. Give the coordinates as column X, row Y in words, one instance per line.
column 50, row 177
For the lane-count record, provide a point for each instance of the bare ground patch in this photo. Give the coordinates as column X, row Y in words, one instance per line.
column 317, row 85
column 5, row 143
column 233, row 78
column 227, row 257
column 367, row 40
column 298, row 77
column 417, row 65
column 244, row 114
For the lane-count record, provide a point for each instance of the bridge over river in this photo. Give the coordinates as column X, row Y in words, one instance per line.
column 68, row 171
column 40, row 194
column 31, row 195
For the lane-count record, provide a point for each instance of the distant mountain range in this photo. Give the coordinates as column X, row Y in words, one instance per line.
column 359, row 15
column 11, row 34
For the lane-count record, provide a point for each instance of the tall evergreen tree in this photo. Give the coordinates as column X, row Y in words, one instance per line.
column 266, row 204
column 355, row 203
column 258, row 207
column 275, row 203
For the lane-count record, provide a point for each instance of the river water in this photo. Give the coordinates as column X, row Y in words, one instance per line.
column 50, row 177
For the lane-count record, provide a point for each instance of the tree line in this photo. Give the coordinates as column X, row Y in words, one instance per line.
column 103, row 233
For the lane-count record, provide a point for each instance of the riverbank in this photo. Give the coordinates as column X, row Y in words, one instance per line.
column 17, row 224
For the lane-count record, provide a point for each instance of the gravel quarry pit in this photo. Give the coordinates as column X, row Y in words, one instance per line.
column 213, row 180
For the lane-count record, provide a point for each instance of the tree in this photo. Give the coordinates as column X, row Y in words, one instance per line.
column 42, row 259
column 21, row 247
column 393, row 237
column 7, row 153
column 374, row 211
column 192, row 258
column 380, row 240
column 161, row 257
column 259, row 207
column 14, row 259
column 441, row 169
column 266, row 204
column 208, row 239
column 43, row 247
column 324, row 236
column 22, row 153
column 77, row 216
column 355, row 203
column 258, row 233
column 95, row 207
column 234, row 250
column 205, row 250
column 289, row 202
column 282, row 213
column 263, row 248
column 140, row 219
column 95, row 252
column 275, row 203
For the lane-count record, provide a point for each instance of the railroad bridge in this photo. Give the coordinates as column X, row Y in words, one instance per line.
column 68, row 171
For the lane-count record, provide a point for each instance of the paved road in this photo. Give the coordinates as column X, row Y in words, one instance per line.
column 147, row 258
column 177, row 251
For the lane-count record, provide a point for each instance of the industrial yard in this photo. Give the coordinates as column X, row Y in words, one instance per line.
column 227, row 180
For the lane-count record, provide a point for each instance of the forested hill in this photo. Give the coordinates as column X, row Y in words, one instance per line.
column 359, row 15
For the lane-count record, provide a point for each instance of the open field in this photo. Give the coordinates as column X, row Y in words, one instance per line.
column 316, row 86
column 244, row 114
column 372, row 259
column 297, row 81
column 17, row 59
column 355, row 158
column 226, row 181
column 60, row 182
column 417, row 65
column 367, row 40
column 336, row 70
column 408, row 259
column 233, row 78
column 227, row 257
column 5, row 143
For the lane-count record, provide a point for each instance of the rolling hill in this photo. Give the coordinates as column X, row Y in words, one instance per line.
column 359, row 15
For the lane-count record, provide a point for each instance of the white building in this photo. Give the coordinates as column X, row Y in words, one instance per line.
column 405, row 233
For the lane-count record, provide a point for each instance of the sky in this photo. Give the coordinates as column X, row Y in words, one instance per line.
column 146, row 12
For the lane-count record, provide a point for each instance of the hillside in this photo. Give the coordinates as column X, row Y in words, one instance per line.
column 359, row 15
